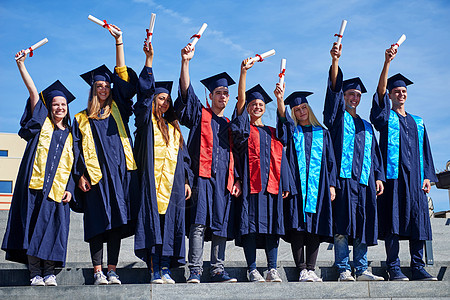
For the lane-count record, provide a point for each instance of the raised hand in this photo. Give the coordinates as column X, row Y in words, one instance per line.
column 336, row 51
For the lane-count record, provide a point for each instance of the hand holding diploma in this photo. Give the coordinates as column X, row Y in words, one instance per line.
column 282, row 71
column 32, row 48
column 148, row 40
column 198, row 35
column 399, row 42
column 262, row 56
column 341, row 32
column 104, row 24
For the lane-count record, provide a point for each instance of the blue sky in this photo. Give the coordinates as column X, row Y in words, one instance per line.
column 300, row 31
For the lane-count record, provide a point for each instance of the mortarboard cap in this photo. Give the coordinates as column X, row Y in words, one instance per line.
column 101, row 73
column 54, row 90
column 257, row 92
column 163, row 87
column 297, row 98
column 354, row 83
column 222, row 79
column 398, row 80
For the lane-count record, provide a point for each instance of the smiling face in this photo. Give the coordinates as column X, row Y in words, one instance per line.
column 352, row 98
column 256, row 108
column 162, row 102
column 219, row 97
column 103, row 88
column 59, row 108
column 301, row 113
column 398, row 96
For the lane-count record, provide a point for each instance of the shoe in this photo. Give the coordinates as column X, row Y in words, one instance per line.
column 346, row 276
column 422, row 275
column 50, row 280
column 37, row 281
column 222, row 276
column 166, row 276
column 273, row 276
column 304, row 276
column 100, row 278
column 395, row 274
column 156, row 278
column 313, row 276
column 194, row 277
column 368, row 276
column 113, row 278
column 255, row 276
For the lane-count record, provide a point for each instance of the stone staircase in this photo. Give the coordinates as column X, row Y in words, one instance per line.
column 75, row 280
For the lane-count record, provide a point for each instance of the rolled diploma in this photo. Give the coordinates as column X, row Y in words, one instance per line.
column 263, row 56
column 400, row 41
column 101, row 23
column 150, row 28
column 200, row 32
column 341, row 31
column 34, row 47
column 282, row 68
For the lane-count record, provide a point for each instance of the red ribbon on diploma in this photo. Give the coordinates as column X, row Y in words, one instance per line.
column 196, row 36
column 31, row 52
column 260, row 58
column 338, row 35
column 395, row 44
column 282, row 73
column 106, row 25
column 149, row 34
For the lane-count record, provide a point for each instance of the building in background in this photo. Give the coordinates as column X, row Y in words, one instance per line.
column 11, row 152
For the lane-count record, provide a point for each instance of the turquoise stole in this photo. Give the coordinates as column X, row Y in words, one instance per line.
column 348, row 146
column 393, row 147
column 310, row 188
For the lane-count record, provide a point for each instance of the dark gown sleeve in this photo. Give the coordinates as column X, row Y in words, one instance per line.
column 379, row 113
column 285, row 128
column 189, row 110
column 334, row 106
column 331, row 161
column 286, row 175
column 428, row 165
column 189, row 175
column 31, row 122
column 145, row 92
column 79, row 166
column 123, row 92
column 240, row 126
column 377, row 160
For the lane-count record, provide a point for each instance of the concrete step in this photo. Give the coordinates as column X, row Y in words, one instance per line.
column 304, row 290
column 137, row 273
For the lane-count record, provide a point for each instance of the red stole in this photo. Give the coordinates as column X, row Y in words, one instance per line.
column 254, row 150
column 206, row 149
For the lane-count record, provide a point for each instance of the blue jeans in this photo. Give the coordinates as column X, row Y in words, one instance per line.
column 342, row 254
column 271, row 248
column 392, row 248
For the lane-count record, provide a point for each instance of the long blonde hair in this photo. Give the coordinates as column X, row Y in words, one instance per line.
column 94, row 107
column 311, row 117
column 170, row 117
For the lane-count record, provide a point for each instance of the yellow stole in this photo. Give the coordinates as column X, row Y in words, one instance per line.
column 40, row 160
column 88, row 144
column 165, row 163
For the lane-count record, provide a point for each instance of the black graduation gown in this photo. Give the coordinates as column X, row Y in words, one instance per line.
column 211, row 203
column 148, row 229
column 37, row 225
column 355, row 206
column 321, row 222
column 110, row 204
column 403, row 207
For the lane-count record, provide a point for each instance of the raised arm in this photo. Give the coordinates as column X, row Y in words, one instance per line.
column 389, row 55
column 187, row 53
column 335, row 52
column 279, row 94
column 34, row 95
column 242, row 86
column 120, row 56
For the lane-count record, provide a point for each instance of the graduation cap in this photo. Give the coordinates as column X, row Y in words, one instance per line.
column 101, row 73
column 398, row 80
column 54, row 90
column 297, row 98
column 257, row 92
column 163, row 87
column 222, row 79
column 354, row 83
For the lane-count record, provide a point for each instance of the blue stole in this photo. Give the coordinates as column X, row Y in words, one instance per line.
column 310, row 188
column 393, row 147
column 348, row 146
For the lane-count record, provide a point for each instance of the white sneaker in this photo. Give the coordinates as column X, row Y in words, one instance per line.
column 37, row 281
column 346, row 276
column 313, row 276
column 273, row 276
column 166, row 276
column 113, row 278
column 368, row 276
column 100, row 278
column 50, row 280
column 255, row 276
column 304, row 276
